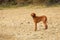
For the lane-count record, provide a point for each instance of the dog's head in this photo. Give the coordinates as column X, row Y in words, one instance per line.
column 33, row 14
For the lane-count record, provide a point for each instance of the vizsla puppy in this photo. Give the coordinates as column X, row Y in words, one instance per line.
column 37, row 19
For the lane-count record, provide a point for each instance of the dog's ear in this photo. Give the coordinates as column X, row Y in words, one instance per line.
column 33, row 14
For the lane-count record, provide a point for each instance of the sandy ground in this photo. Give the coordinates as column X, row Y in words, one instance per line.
column 17, row 24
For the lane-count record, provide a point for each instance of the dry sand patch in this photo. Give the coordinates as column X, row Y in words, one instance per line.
column 17, row 24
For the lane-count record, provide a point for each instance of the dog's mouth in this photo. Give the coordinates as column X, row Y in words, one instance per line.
column 33, row 15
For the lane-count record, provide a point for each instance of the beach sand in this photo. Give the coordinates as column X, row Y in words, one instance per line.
column 17, row 24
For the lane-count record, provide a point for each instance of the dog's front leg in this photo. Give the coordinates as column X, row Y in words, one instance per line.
column 35, row 26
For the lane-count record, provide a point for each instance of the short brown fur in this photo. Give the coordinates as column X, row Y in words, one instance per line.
column 37, row 19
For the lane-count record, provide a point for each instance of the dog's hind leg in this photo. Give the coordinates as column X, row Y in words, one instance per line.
column 45, row 23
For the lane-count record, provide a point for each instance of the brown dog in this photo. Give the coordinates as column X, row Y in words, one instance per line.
column 38, row 19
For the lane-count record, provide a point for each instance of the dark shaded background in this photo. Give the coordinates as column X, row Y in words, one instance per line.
column 27, row 2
